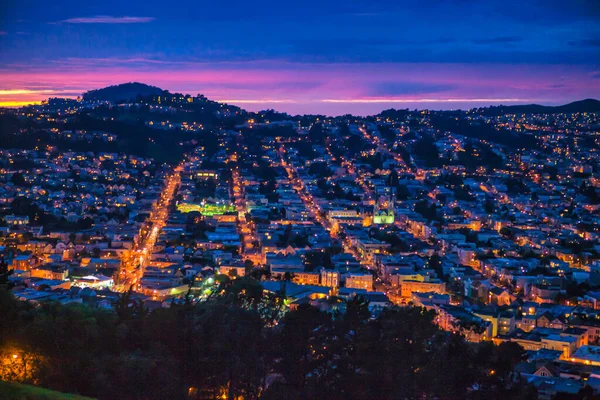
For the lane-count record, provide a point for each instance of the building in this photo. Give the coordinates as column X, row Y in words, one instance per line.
column 357, row 280
column 51, row 272
column 588, row 355
column 429, row 299
column 23, row 262
column 232, row 270
column 330, row 278
column 408, row 287
column 502, row 323
column 383, row 212
column 457, row 319
column 94, row 282
column 16, row 220
column 307, row 278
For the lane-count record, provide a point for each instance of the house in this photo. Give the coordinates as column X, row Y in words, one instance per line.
column 16, row 220
column 500, row 296
column 477, row 289
column 377, row 300
column 547, row 370
column 542, row 338
column 548, row 387
column 457, row 319
column 51, row 272
column 429, row 299
column 307, row 278
column 408, row 287
column 588, row 355
column 503, row 323
column 580, row 335
column 23, row 262
column 232, row 270
column 544, row 320
column 358, row 280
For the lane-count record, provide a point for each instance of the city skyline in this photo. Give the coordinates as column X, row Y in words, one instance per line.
column 262, row 200
column 331, row 58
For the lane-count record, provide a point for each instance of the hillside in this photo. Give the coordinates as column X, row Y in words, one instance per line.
column 123, row 92
column 17, row 391
column 587, row 105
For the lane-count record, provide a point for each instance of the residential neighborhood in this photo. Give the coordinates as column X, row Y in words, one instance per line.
column 498, row 236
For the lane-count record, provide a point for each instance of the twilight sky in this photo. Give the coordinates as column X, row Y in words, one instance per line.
column 317, row 56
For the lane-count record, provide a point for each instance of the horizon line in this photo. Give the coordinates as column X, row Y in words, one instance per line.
column 452, row 100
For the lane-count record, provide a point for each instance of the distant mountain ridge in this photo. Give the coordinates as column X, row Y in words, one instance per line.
column 587, row 105
column 123, row 92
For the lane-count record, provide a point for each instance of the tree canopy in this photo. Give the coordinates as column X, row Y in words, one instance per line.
column 241, row 343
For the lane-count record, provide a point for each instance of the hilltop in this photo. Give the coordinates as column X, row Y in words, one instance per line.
column 122, row 92
column 587, row 105
column 134, row 90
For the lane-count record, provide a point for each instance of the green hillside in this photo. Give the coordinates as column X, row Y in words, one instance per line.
column 26, row 392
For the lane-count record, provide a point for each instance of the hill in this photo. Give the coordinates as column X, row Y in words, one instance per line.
column 123, row 92
column 18, row 391
column 587, row 105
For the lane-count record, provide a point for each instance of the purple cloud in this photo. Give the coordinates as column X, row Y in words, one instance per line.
column 333, row 89
column 585, row 43
column 499, row 40
column 390, row 88
column 107, row 19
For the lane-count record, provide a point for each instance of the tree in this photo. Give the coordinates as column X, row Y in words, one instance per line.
column 489, row 206
column 427, row 211
column 287, row 276
column 18, row 179
column 392, row 180
column 506, row 232
column 5, row 272
column 96, row 252
column 259, row 273
column 300, row 330
column 248, row 266
column 435, row 263
column 426, row 149
column 228, row 345
column 316, row 134
column 402, row 192
column 124, row 305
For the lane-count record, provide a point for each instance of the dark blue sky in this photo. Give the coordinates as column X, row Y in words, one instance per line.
column 334, row 56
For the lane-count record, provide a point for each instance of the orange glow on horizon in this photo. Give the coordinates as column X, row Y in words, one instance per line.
column 335, row 88
column 24, row 97
column 14, row 104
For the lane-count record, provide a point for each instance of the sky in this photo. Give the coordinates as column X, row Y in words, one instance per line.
column 312, row 56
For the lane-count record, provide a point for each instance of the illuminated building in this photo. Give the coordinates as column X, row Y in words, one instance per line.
column 383, row 212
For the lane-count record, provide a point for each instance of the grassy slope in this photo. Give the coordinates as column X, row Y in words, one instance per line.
column 25, row 392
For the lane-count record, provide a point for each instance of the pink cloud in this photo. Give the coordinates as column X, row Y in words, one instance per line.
column 107, row 19
column 324, row 88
